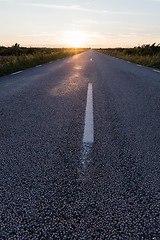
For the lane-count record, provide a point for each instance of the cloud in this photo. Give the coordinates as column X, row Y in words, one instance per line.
column 79, row 8
column 45, row 34
column 89, row 21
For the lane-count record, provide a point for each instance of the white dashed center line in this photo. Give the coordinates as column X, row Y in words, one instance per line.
column 88, row 136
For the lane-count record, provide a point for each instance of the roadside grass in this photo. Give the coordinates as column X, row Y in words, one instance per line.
column 136, row 55
column 15, row 61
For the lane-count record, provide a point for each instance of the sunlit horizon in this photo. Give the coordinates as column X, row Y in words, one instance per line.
column 75, row 23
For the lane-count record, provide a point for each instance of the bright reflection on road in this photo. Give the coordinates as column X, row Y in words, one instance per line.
column 69, row 84
column 72, row 81
column 78, row 67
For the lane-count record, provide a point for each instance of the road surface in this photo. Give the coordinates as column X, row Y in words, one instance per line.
column 52, row 187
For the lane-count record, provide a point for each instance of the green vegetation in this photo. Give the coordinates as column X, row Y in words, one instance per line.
column 16, row 58
column 147, row 55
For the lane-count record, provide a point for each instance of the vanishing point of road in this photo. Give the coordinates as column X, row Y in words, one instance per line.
column 80, row 150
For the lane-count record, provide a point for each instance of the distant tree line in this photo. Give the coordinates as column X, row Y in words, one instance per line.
column 16, row 50
column 144, row 50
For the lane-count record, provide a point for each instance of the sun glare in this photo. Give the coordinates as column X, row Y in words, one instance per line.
column 75, row 39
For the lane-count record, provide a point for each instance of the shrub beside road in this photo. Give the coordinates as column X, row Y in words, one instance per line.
column 147, row 55
column 16, row 58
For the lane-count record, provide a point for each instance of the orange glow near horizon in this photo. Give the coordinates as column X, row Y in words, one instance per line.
column 75, row 39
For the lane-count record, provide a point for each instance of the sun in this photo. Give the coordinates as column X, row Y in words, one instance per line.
column 75, row 39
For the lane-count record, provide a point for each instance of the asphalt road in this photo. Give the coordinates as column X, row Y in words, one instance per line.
column 44, row 195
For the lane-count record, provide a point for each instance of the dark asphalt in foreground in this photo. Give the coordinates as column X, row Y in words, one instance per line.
column 42, row 121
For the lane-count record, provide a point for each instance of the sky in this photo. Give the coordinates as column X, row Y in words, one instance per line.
column 79, row 23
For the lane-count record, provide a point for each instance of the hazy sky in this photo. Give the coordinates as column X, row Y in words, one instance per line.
column 88, row 23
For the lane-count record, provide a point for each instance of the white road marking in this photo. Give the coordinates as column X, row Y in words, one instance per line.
column 88, row 136
column 38, row 66
column 16, row 73
column 139, row 65
column 156, row 71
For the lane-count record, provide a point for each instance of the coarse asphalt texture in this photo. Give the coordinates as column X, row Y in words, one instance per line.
column 41, row 130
